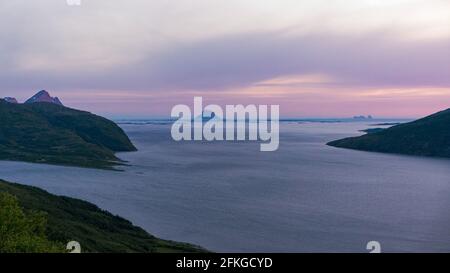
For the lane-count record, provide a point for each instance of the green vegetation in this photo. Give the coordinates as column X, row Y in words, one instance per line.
column 23, row 233
column 54, row 134
column 67, row 219
column 429, row 136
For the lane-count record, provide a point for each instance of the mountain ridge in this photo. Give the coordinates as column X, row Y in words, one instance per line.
column 43, row 132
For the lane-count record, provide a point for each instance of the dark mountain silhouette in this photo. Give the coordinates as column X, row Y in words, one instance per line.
column 10, row 100
column 429, row 136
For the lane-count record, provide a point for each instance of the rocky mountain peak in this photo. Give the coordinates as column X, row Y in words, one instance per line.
column 44, row 96
column 10, row 100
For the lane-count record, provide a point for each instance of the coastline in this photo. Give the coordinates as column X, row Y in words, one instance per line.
column 95, row 229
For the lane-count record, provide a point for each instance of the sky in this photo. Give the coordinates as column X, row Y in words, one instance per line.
column 318, row 58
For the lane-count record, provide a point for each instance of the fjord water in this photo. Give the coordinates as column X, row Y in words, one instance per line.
column 230, row 197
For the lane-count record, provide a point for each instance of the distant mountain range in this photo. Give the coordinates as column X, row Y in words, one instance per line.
column 362, row 117
column 44, row 131
column 41, row 96
column 429, row 136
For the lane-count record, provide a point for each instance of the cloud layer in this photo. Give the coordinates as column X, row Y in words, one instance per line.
column 160, row 48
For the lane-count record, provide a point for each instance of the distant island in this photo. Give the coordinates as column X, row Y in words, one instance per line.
column 43, row 130
column 429, row 136
column 362, row 117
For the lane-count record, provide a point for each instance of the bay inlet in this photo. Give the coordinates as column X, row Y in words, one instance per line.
column 230, row 197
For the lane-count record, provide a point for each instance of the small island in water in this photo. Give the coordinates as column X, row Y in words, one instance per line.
column 429, row 136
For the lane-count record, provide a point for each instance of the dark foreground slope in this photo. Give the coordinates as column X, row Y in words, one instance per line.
column 96, row 230
column 50, row 133
column 429, row 136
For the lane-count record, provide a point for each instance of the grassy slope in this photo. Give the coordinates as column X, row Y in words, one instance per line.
column 49, row 133
column 96, row 230
column 429, row 136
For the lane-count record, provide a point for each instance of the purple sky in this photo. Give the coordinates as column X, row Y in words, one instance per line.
column 313, row 58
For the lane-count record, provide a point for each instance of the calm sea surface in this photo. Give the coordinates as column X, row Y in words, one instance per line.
column 229, row 196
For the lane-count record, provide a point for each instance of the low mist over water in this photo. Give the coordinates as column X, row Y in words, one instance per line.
column 229, row 196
